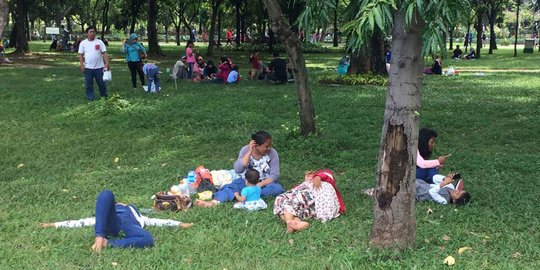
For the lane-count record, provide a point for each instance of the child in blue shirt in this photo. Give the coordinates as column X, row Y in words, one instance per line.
column 250, row 196
column 152, row 73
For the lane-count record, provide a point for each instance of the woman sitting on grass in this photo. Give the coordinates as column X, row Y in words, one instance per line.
column 258, row 155
column 426, row 169
column 111, row 218
column 317, row 197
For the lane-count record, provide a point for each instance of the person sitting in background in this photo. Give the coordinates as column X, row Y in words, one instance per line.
column 224, row 69
column 436, row 69
column 457, row 53
column 111, row 218
column 234, row 76
column 180, row 69
column 210, row 70
column 198, row 68
column 278, row 70
column 343, row 66
column 471, row 55
column 256, row 66
column 442, row 190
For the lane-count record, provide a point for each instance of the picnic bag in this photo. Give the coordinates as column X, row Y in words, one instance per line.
column 164, row 201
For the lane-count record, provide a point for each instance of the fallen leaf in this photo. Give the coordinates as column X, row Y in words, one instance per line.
column 441, row 248
column 164, row 164
column 114, row 263
column 65, row 190
column 429, row 211
column 291, row 241
column 116, row 160
column 446, row 237
column 516, row 255
column 426, row 240
column 20, row 165
column 417, row 113
column 449, row 261
column 74, row 197
column 463, row 249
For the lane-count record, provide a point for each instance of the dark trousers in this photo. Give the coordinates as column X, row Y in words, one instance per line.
column 89, row 76
column 111, row 218
column 134, row 68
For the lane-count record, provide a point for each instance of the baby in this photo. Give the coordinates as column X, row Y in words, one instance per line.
column 250, row 197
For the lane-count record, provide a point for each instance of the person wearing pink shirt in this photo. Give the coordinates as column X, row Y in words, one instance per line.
column 426, row 168
column 190, row 54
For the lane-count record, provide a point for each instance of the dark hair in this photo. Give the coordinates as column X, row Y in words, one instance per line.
column 210, row 62
column 260, row 137
column 423, row 141
column 252, row 176
column 224, row 59
column 235, row 67
column 275, row 54
column 89, row 28
column 463, row 199
column 189, row 42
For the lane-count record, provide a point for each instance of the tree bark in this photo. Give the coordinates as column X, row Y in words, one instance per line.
column 22, row 42
column 296, row 58
column 153, row 44
column 4, row 11
column 213, row 18
column 451, row 38
column 105, row 18
column 516, row 29
column 360, row 62
column 376, row 46
column 238, row 25
column 336, row 37
column 394, row 222
column 479, row 31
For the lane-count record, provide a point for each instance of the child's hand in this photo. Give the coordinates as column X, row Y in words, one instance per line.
column 316, row 182
column 46, row 225
column 185, row 225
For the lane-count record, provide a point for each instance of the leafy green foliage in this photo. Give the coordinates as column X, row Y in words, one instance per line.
column 354, row 79
column 248, row 47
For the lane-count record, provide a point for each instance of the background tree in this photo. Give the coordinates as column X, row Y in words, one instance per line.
column 22, row 42
column 4, row 11
column 213, row 19
column 516, row 28
column 493, row 11
column 296, row 58
column 153, row 43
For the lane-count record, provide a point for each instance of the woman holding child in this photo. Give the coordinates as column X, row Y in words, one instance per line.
column 317, row 197
column 258, row 155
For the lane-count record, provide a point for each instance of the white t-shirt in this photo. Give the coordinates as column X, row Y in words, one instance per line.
column 92, row 52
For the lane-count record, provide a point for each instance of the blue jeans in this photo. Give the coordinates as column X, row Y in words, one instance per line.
column 426, row 174
column 226, row 193
column 89, row 76
column 153, row 78
column 111, row 218
column 190, row 70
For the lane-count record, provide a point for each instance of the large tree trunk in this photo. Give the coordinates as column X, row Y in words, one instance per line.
column 105, row 20
column 22, row 42
column 516, row 28
column 296, row 58
column 376, row 46
column 238, row 25
column 394, row 222
column 336, row 37
column 479, row 30
column 213, row 18
column 492, row 36
column 451, row 38
column 153, row 44
column 4, row 11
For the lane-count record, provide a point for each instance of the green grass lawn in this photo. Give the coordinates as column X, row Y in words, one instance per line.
column 58, row 150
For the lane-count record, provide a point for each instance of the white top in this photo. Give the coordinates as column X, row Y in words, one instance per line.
column 435, row 188
column 143, row 220
column 93, row 53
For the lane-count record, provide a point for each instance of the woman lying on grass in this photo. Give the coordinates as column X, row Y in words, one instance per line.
column 317, row 197
column 443, row 190
column 111, row 218
column 258, row 155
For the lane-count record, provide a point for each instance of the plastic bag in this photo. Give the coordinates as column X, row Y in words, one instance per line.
column 107, row 76
column 451, row 71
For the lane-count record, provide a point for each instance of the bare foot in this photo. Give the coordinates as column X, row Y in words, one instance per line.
column 186, row 225
column 99, row 244
column 201, row 203
column 300, row 225
column 290, row 228
column 47, row 225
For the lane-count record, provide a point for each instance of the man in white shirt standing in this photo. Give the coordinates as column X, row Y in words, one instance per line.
column 92, row 59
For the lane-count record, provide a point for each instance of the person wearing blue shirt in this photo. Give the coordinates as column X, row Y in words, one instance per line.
column 233, row 75
column 134, row 50
column 250, row 196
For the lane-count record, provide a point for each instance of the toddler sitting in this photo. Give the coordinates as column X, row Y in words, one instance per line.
column 250, row 197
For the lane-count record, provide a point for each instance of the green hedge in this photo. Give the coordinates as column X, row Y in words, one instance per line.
column 306, row 48
column 354, row 79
